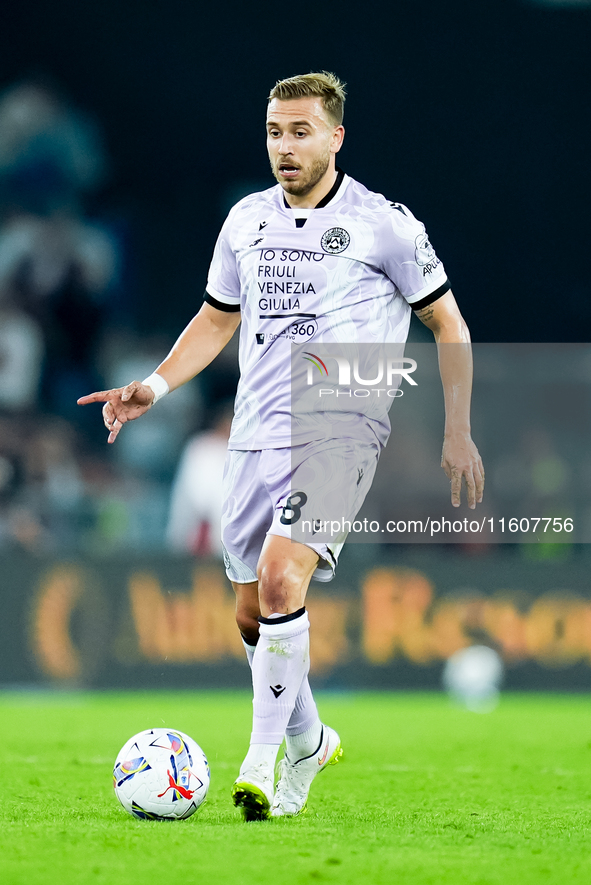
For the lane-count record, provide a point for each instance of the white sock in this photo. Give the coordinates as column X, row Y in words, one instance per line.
column 280, row 664
column 260, row 753
column 305, row 713
column 257, row 753
column 298, row 746
column 249, row 649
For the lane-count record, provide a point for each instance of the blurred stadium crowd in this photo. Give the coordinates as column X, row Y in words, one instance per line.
column 67, row 328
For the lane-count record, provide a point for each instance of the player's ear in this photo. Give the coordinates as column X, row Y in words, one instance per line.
column 337, row 139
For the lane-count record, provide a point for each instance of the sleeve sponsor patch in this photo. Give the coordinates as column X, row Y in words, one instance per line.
column 425, row 255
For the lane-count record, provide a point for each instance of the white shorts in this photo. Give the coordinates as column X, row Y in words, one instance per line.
column 299, row 493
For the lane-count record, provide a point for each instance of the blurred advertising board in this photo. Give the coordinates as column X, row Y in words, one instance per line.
column 389, row 620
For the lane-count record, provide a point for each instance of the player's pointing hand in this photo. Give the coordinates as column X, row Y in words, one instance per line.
column 122, row 404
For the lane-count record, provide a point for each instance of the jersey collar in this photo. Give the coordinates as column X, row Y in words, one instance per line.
column 329, row 196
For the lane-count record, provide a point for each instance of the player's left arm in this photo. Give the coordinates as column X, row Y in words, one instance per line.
column 460, row 456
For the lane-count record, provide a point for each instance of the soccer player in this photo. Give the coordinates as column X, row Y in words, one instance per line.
column 316, row 255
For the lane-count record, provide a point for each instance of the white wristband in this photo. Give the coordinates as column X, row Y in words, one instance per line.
column 158, row 385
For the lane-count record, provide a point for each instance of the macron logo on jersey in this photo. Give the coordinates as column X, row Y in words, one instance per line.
column 398, row 206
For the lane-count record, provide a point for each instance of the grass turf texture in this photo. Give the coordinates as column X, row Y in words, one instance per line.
column 426, row 793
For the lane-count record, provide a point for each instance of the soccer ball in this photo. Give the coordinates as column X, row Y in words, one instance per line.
column 473, row 676
column 161, row 774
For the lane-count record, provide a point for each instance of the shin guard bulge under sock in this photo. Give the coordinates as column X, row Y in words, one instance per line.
column 305, row 713
column 280, row 664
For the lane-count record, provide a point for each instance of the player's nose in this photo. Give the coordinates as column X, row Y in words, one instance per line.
column 285, row 145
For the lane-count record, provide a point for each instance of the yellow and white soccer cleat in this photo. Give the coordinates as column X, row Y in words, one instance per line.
column 252, row 792
column 295, row 778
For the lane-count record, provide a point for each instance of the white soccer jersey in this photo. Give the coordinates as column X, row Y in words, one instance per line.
column 349, row 270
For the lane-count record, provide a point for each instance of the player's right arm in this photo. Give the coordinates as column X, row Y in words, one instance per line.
column 206, row 335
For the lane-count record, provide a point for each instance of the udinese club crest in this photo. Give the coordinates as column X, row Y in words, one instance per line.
column 335, row 240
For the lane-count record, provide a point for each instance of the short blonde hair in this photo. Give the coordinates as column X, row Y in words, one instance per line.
column 322, row 85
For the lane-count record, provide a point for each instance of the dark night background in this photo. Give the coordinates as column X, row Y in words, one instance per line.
column 474, row 114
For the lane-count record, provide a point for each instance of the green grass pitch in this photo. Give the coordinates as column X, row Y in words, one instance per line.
column 426, row 793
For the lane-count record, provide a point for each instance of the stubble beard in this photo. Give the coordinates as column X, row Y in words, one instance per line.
column 303, row 187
